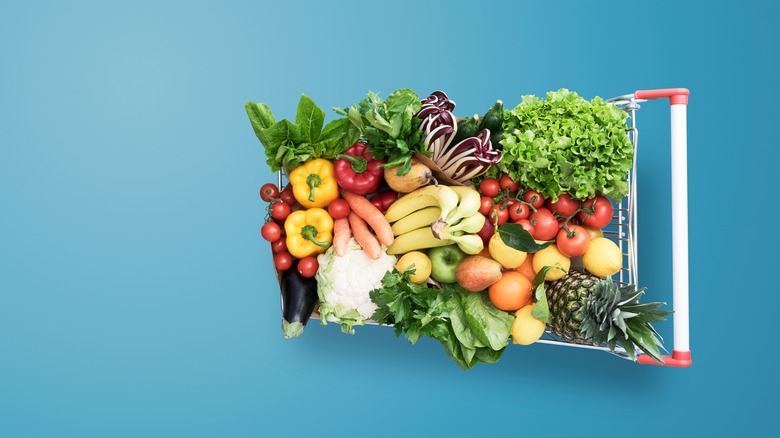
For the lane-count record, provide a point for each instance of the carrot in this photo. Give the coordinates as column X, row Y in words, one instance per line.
column 366, row 210
column 341, row 235
column 364, row 237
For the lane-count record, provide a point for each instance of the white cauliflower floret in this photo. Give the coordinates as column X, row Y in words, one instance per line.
column 343, row 284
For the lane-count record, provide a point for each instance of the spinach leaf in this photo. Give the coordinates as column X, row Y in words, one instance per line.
column 309, row 119
column 261, row 118
column 288, row 145
column 490, row 325
column 488, row 355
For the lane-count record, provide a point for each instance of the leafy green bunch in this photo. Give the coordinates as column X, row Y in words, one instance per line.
column 389, row 126
column 566, row 144
column 288, row 145
column 468, row 326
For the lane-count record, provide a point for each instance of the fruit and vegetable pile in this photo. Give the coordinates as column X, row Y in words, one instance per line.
column 474, row 231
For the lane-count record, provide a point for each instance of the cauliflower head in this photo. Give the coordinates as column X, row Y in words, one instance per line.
column 343, row 284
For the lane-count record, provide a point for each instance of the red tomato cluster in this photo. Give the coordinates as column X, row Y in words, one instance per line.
column 280, row 206
column 566, row 220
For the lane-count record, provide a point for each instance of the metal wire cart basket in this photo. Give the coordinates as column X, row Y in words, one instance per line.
column 623, row 227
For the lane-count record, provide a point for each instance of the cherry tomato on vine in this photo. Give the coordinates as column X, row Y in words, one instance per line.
column 534, row 198
column 506, row 182
column 572, row 242
column 283, row 261
column 499, row 212
column 518, row 211
column 545, row 225
column 280, row 211
column 596, row 212
column 279, row 246
column 269, row 191
column 338, row 209
column 565, row 206
column 489, row 187
column 526, row 224
column 485, row 204
column 287, row 196
column 271, row 231
column 308, row 266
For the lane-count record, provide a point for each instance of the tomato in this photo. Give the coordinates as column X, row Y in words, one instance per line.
column 280, row 211
column 545, row 225
column 489, row 187
column 283, row 261
column 526, row 224
column 383, row 200
column 564, row 206
column 271, row 231
column 485, row 204
column 269, row 191
column 518, row 211
column 506, row 183
column 596, row 212
column 338, row 209
column 573, row 242
column 308, row 266
column 534, row 198
column 499, row 212
column 279, row 246
column 287, row 196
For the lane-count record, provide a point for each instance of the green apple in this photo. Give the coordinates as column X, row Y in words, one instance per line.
column 444, row 260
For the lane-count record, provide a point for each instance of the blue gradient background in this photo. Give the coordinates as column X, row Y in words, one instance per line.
column 137, row 297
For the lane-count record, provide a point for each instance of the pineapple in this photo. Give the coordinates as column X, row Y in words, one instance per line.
column 585, row 309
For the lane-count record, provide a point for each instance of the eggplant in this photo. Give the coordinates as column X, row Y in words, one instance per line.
column 299, row 297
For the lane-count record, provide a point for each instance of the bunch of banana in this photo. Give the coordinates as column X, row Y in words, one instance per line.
column 436, row 215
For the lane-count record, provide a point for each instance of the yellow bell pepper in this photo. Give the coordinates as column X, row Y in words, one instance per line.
column 309, row 232
column 314, row 184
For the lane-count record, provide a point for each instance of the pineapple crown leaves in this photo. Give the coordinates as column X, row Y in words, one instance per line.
column 613, row 315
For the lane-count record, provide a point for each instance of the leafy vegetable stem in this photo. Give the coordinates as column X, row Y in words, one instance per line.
column 310, row 233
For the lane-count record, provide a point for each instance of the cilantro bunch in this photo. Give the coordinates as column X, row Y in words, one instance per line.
column 566, row 144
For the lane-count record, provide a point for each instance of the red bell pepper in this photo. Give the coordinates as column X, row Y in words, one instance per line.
column 356, row 170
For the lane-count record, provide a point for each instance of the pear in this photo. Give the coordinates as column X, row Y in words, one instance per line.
column 418, row 176
column 476, row 273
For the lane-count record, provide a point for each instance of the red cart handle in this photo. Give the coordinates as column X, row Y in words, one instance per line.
column 675, row 95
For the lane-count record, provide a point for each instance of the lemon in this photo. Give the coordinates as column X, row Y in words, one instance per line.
column 550, row 256
column 421, row 262
column 526, row 329
column 603, row 258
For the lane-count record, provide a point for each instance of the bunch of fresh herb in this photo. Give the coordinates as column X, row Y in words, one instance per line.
column 566, row 144
column 468, row 326
column 389, row 126
column 288, row 145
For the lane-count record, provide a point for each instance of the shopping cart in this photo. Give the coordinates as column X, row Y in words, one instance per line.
column 623, row 227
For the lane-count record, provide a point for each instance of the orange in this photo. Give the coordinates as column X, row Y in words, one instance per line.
column 485, row 253
column 527, row 268
column 511, row 292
